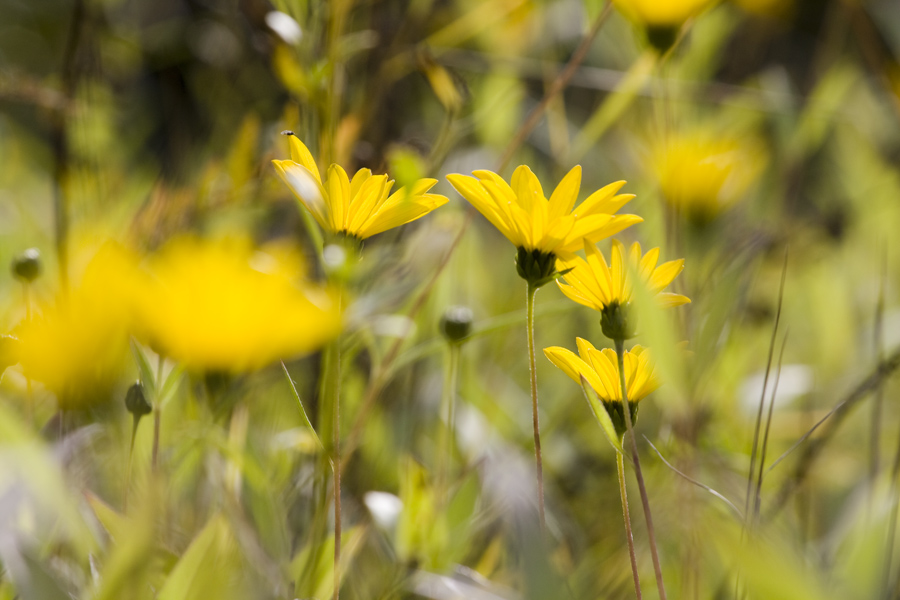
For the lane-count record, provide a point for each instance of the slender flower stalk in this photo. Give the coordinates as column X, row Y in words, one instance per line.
column 645, row 502
column 530, row 292
column 626, row 515
column 456, row 325
column 335, row 402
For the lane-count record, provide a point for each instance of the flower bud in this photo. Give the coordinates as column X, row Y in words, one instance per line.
column 616, row 413
column 456, row 324
column 662, row 37
column 536, row 267
column 26, row 267
column 135, row 401
column 615, row 322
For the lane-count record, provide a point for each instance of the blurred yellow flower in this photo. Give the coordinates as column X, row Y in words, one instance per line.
column 598, row 285
column 358, row 207
column 78, row 347
column 767, row 8
column 702, row 172
column 222, row 306
column 600, row 368
column 661, row 13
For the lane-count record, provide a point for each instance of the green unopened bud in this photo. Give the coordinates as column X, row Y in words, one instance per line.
column 662, row 38
column 26, row 266
column 135, row 401
column 456, row 324
column 617, row 415
column 536, row 267
column 616, row 322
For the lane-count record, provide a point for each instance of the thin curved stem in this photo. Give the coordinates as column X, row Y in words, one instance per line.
column 157, row 416
column 620, row 469
column 645, row 501
column 335, row 374
column 448, row 416
column 530, row 293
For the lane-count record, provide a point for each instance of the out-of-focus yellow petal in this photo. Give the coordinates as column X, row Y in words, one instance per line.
column 225, row 306
column 662, row 13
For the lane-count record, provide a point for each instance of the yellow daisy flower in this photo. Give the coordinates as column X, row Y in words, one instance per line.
column 703, row 172
column 543, row 229
column 600, row 368
column 662, row 13
column 78, row 346
column 597, row 285
column 662, row 19
column 359, row 207
column 221, row 306
column 609, row 288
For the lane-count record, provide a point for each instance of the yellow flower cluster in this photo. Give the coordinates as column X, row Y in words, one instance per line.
column 211, row 305
column 547, row 233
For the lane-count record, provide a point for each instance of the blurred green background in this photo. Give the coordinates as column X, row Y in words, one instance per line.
column 764, row 144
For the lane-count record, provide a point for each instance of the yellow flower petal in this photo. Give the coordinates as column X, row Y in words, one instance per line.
column 307, row 188
column 573, row 366
column 566, row 194
column 301, row 155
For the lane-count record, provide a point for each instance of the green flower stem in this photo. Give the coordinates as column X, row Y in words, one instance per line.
column 29, row 390
column 448, row 414
column 531, row 291
column 620, row 469
column 157, row 413
column 333, row 402
column 620, row 353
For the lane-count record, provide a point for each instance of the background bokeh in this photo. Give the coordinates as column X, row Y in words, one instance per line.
column 763, row 147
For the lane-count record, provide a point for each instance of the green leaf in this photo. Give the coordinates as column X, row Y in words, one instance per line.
column 208, row 568
column 601, row 415
column 323, row 557
column 303, row 416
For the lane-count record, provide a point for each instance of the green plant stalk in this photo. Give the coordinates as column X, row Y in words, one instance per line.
column 626, row 515
column 333, row 402
column 448, row 413
column 530, row 293
column 157, row 413
column 620, row 353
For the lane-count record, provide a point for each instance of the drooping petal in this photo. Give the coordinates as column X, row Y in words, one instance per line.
column 402, row 210
column 573, row 366
column 668, row 300
column 472, row 190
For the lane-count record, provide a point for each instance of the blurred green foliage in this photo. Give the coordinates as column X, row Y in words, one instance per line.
column 141, row 121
